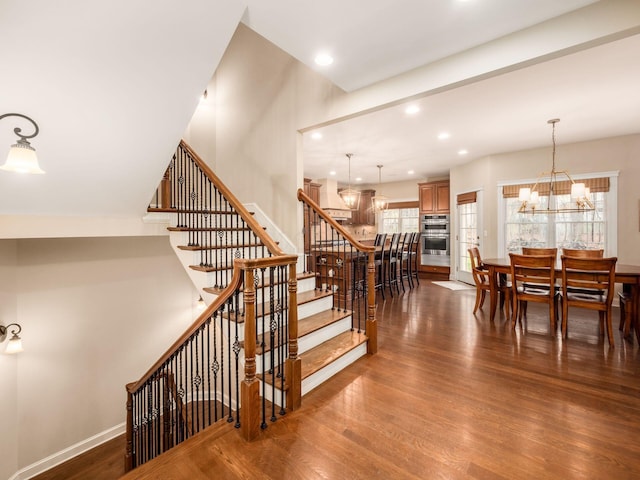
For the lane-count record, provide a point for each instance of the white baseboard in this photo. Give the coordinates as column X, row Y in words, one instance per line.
column 68, row 453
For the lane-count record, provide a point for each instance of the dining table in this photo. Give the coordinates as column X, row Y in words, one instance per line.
column 499, row 268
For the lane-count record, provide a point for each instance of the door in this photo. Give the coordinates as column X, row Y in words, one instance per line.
column 468, row 235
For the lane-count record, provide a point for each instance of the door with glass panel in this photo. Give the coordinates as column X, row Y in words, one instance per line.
column 468, row 234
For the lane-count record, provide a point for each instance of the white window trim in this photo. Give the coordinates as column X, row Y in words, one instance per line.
column 612, row 208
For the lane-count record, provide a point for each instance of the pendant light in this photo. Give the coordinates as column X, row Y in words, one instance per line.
column 379, row 203
column 350, row 197
column 552, row 184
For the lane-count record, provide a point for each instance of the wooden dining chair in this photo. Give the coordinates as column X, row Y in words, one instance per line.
column 582, row 253
column 481, row 279
column 539, row 251
column 627, row 312
column 593, row 275
column 533, row 279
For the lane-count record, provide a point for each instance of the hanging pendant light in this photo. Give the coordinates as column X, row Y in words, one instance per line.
column 350, row 197
column 379, row 203
column 552, row 184
column 22, row 156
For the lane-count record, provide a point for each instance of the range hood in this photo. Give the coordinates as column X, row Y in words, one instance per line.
column 331, row 202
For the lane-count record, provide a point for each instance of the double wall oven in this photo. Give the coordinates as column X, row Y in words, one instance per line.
column 435, row 240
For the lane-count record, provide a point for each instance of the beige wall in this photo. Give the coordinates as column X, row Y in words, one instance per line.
column 96, row 313
column 8, row 364
column 263, row 97
column 605, row 155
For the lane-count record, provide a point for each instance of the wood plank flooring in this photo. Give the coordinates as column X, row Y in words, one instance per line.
column 449, row 395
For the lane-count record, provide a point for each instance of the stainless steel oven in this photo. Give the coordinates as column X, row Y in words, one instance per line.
column 435, row 240
column 434, row 224
column 436, row 244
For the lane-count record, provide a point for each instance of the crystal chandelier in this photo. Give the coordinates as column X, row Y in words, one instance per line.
column 552, row 184
column 379, row 202
column 350, row 197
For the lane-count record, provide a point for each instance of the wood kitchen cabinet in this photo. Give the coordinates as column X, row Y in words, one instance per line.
column 434, row 197
column 312, row 190
column 365, row 214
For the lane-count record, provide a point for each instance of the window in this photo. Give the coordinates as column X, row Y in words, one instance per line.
column 396, row 220
column 593, row 229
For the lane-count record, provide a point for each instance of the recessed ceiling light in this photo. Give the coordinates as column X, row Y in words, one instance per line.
column 316, row 135
column 332, row 172
column 358, row 179
column 411, row 172
column 462, row 152
column 323, row 59
column 443, row 135
column 412, row 109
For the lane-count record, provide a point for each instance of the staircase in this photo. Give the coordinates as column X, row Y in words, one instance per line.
column 268, row 336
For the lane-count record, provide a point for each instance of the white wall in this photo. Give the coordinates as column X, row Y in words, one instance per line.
column 604, row 155
column 96, row 313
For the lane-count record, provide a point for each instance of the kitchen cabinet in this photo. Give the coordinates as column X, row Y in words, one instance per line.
column 434, row 197
column 312, row 190
column 365, row 214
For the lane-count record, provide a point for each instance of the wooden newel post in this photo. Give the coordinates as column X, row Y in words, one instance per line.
column 293, row 366
column 372, row 325
column 250, row 387
column 128, row 456
column 165, row 190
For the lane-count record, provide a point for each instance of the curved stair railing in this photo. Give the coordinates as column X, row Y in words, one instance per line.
column 210, row 373
column 343, row 265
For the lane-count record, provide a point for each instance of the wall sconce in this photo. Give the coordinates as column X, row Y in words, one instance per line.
column 22, row 156
column 15, row 342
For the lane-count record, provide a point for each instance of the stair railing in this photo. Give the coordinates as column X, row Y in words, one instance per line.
column 213, row 218
column 202, row 377
column 343, row 265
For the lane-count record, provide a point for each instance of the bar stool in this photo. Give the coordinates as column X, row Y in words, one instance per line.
column 390, row 263
column 381, row 239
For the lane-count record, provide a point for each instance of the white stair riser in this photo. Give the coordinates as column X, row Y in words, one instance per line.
column 311, row 308
column 307, row 342
column 322, row 375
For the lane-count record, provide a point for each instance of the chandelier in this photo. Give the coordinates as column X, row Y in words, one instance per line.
column 350, row 197
column 379, row 202
column 552, row 184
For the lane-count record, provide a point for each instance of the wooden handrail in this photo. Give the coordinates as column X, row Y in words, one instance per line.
column 303, row 197
column 257, row 229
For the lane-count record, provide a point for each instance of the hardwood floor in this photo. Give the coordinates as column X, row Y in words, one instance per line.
column 449, row 395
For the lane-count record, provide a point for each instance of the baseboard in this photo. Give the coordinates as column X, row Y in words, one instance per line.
column 68, row 453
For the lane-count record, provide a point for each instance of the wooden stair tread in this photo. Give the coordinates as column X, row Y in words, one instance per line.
column 306, row 326
column 179, row 210
column 218, row 291
column 204, row 268
column 210, row 229
column 310, row 296
column 197, row 248
column 322, row 355
column 325, row 353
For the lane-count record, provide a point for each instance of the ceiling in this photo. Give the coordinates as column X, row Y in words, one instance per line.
column 113, row 86
column 593, row 92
